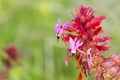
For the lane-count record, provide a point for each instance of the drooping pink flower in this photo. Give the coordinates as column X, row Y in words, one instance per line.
column 74, row 44
column 59, row 29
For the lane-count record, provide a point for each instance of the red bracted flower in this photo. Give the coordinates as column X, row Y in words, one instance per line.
column 84, row 42
column 12, row 54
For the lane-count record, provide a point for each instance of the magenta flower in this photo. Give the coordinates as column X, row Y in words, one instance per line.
column 59, row 29
column 74, row 44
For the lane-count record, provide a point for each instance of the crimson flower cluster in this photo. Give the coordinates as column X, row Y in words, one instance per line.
column 12, row 54
column 85, row 43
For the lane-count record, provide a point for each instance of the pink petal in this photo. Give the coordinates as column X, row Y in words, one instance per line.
column 57, row 27
column 71, row 43
column 66, row 60
column 78, row 44
column 65, row 25
column 81, row 51
column 88, row 51
column 60, row 31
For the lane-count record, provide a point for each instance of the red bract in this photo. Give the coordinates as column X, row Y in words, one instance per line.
column 69, row 29
column 96, row 22
column 103, row 39
column 102, row 48
column 84, row 42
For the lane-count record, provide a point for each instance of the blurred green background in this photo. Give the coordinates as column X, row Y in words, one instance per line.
column 29, row 24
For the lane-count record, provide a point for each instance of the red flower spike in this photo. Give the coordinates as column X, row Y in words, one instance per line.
column 12, row 55
column 11, row 51
column 86, row 28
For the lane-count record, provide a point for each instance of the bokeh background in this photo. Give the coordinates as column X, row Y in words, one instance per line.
column 29, row 25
